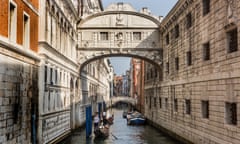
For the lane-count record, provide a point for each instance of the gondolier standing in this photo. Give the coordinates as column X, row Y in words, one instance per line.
column 96, row 120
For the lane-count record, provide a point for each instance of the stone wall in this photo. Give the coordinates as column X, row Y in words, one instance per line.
column 185, row 91
column 18, row 98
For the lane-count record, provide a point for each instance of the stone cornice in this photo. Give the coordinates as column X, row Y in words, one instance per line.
column 149, row 17
column 35, row 10
column 59, row 55
column 175, row 12
column 8, row 48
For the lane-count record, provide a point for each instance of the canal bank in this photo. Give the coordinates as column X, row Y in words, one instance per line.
column 121, row 133
column 169, row 133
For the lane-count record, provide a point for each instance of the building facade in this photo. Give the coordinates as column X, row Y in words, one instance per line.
column 198, row 97
column 18, row 71
column 126, row 83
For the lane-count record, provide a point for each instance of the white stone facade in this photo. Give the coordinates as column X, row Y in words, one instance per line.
column 59, row 90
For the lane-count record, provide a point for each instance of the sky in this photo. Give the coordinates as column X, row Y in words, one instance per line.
column 157, row 8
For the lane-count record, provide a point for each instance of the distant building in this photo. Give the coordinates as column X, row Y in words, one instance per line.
column 118, row 85
column 126, row 83
column 137, row 82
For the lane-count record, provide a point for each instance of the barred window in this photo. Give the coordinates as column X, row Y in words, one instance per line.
column 167, row 67
column 176, row 31
column 160, row 102
column 205, row 109
column 103, row 35
column 189, row 20
column 205, row 7
column 188, row 107
column 137, row 36
column 231, row 113
column 206, row 51
column 175, row 105
column 167, row 39
column 177, row 63
column 189, row 58
column 232, row 40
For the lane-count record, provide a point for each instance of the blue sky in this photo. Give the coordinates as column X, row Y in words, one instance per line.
column 157, row 8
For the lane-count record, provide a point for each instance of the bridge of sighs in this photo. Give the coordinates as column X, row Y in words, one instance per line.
column 119, row 31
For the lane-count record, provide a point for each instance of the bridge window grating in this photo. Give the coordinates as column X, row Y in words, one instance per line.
column 137, row 36
column 104, row 36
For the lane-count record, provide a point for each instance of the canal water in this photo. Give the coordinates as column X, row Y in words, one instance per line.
column 121, row 133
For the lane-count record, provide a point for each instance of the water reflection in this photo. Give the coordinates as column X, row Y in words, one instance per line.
column 121, row 133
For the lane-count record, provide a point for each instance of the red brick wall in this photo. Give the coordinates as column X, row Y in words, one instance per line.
column 21, row 7
column 4, row 18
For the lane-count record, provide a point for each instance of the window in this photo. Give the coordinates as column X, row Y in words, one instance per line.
column 150, row 104
column 167, row 67
column 51, row 75
column 232, row 40
column 177, row 63
column 26, row 31
column 175, row 105
column 103, row 35
column 188, row 107
column 206, row 51
column 45, row 75
column 189, row 58
column 13, row 22
column 137, row 36
column 160, row 102
column 231, row 113
column 176, row 31
column 189, row 20
column 205, row 7
column 56, row 76
column 167, row 39
column 205, row 109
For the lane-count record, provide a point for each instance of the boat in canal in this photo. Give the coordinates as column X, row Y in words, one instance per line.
column 102, row 132
column 136, row 118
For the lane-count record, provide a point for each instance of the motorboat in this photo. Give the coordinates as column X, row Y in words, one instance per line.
column 136, row 118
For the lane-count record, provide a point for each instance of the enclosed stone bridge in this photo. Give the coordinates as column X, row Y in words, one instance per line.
column 119, row 31
column 125, row 99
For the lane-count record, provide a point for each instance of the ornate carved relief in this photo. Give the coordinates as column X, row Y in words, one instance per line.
column 231, row 10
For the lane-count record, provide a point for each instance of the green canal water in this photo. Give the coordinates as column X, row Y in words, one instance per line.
column 121, row 133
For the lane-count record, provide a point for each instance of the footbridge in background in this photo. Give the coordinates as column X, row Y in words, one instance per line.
column 126, row 99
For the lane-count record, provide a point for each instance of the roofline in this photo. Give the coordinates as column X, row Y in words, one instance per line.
column 156, row 21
